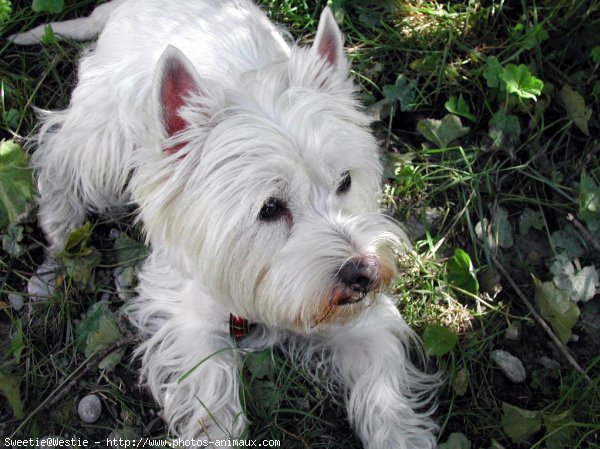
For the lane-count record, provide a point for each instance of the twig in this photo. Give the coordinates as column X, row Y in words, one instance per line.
column 92, row 364
column 65, row 387
column 584, row 232
column 561, row 347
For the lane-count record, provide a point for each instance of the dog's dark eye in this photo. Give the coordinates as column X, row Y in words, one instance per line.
column 272, row 209
column 345, row 184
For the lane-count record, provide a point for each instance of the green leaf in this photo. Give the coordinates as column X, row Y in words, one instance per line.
column 576, row 109
column 439, row 340
column 461, row 273
column 535, row 36
column 51, row 6
column 491, row 72
column 560, row 430
column 80, row 268
column 260, row 364
column 459, row 106
column 442, row 132
column 456, row 440
column 519, row 81
column 49, row 38
column 11, row 387
column 129, row 252
column 401, row 93
column 589, row 202
column 11, row 241
column 567, row 240
column 519, row 424
column 595, row 54
column 505, row 131
column 97, row 331
column 77, row 240
column 16, row 182
column 530, row 219
column 556, row 308
column 5, row 11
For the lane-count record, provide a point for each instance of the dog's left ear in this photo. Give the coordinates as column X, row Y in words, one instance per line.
column 329, row 42
column 175, row 80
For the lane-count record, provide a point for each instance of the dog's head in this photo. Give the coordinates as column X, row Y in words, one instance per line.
column 265, row 187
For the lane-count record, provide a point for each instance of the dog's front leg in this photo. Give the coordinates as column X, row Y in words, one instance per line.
column 387, row 395
column 189, row 362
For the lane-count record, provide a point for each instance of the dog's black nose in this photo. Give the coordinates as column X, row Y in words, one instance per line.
column 360, row 274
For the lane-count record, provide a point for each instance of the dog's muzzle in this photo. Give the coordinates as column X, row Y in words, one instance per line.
column 358, row 276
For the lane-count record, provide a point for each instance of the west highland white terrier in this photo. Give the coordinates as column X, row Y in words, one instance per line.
column 256, row 178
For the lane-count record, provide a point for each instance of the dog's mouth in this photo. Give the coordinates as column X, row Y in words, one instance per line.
column 346, row 298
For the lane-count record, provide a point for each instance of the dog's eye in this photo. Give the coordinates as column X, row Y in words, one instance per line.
column 345, row 184
column 272, row 209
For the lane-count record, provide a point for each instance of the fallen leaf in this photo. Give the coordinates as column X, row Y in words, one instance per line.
column 577, row 111
column 442, row 132
column 556, row 308
column 519, row 424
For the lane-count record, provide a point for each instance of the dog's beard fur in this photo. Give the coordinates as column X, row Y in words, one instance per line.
column 200, row 136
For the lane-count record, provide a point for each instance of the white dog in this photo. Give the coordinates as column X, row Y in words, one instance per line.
column 256, row 178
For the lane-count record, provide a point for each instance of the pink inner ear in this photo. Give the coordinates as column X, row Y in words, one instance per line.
column 328, row 48
column 177, row 83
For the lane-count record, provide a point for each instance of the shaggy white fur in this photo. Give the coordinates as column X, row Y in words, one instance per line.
column 256, row 178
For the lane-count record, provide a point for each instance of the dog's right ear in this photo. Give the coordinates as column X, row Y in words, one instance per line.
column 175, row 80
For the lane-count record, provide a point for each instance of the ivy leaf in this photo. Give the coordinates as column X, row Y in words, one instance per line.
column 97, row 331
column 530, row 219
column 519, row 81
column 456, row 440
column 80, row 268
column 51, row 6
column 16, row 182
column 442, row 132
column 589, row 202
column 401, row 93
column 11, row 241
column 491, row 72
column 580, row 285
column 556, row 308
column 577, row 111
column 129, row 252
column 439, row 340
column 519, row 424
column 459, row 106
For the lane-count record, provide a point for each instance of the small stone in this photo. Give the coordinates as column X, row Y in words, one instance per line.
column 511, row 366
column 574, row 338
column 513, row 332
column 42, row 284
column 16, row 301
column 89, row 408
column 114, row 234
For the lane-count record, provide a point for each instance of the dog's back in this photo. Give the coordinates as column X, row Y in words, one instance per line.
column 112, row 104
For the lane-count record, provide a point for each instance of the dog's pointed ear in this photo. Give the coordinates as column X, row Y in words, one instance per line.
column 175, row 80
column 329, row 42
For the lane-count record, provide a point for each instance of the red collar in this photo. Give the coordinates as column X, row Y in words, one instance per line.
column 239, row 327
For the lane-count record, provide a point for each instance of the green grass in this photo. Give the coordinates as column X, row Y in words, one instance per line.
column 443, row 192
